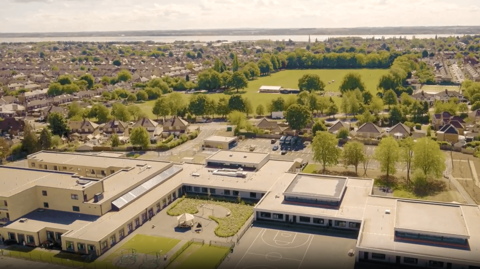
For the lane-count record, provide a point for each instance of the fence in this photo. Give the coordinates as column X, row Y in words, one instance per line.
column 178, row 253
column 222, row 259
column 197, row 240
column 222, row 244
column 245, row 228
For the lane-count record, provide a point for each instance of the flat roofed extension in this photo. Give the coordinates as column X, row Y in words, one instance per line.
column 317, row 186
column 216, row 138
column 432, row 219
column 14, row 180
column 238, row 157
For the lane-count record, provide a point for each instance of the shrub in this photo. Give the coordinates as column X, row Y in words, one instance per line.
column 170, row 138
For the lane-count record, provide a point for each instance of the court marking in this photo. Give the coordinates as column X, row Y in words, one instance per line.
column 284, row 235
column 251, row 245
column 265, row 255
column 279, row 245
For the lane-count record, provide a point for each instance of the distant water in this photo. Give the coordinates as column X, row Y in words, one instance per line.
column 171, row 39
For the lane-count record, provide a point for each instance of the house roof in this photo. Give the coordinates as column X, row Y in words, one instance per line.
column 175, row 122
column 448, row 129
column 82, row 124
column 369, row 128
column 457, row 124
column 266, row 124
column 115, row 124
column 337, row 126
column 400, row 128
column 12, row 123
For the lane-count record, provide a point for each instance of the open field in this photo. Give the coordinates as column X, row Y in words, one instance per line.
column 289, row 79
column 199, row 256
column 146, row 244
column 439, row 88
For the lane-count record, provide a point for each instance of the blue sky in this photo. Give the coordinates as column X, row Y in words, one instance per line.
column 115, row 15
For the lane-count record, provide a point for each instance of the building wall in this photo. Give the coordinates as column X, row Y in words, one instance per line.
column 205, row 190
column 22, row 203
column 93, row 189
column 216, row 144
column 61, row 199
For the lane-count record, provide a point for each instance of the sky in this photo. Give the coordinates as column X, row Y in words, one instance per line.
column 20, row 16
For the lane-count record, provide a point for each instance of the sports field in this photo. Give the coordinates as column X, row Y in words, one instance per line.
column 289, row 79
column 439, row 88
column 199, row 256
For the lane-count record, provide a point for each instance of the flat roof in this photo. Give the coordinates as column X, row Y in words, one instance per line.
column 430, row 218
column 216, row 138
column 14, row 180
column 238, row 157
column 270, row 87
column 317, row 186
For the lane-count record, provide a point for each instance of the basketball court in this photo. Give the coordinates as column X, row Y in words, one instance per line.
column 273, row 248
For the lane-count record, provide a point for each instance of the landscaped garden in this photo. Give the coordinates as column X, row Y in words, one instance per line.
column 200, row 256
column 227, row 226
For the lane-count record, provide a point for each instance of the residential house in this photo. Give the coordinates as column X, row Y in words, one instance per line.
column 337, row 126
column 62, row 99
column 440, row 119
column 36, row 104
column 152, row 127
column 53, row 109
column 448, row 133
column 115, row 127
column 271, row 126
column 459, row 126
column 369, row 130
column 12, row 125
column 12, row 110
column 175, row 125
column 475, row 115
column 83, row 129
column 431, row 97
column 32, row 95
column 400, row 131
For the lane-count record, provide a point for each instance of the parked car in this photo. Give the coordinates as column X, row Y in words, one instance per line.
column 282, row 139
column 252, row 148
column 288, row 140
column 275, row 147
column 284, row 152
column 273, row 141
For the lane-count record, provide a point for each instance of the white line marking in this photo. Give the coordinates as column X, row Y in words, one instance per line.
column 264, row 255
column 263, row 230
column 305, row 254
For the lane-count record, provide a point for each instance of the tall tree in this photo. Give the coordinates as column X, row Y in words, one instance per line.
column 124, row 75
column 428, row 157
column 406, row 154
column 298, row 117
column 115, row 140
column 235, row 63
column 120, row 112
column 4, row 149
column 30, row 141
column 352, row 81
column 222, row 107
column 58, row 124
column 176, row 102
column 260, row 110
column 325, row 149
column 89, row 79
column 135, row 112
column 387, row 154
column 311, row 82
column 390, row 98
column 161, row 108
column 236, row 102
column 239, row 81
column 197, row 104
column 140, row 137
column 45, row 141
column 353, row 154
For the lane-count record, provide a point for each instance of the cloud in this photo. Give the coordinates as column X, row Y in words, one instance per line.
column 31, row 1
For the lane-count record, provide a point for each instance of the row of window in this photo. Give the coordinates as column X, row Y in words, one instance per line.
column 87, row 170
column 214, row 191
column 74, row 208
column 431, row 238
column 408, row 260
column 20, row 238
column 343, row 224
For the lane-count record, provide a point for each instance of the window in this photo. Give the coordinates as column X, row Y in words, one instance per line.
column 121, row 233
column 212, row 191
column 58, row 237
column 81, row 247
column 74, row 197
column 196, row 189
column 5, row 203
column 265, row 215
column 130, row 227
column 188, row 188
column 158, row 207
column 50, row 235
column 144, row 217
column 30, row 239
column 104, row 245
column 112, row 171
column 137, row 222
column 70, row 246
column 354, row 225
column 113, row 240
column 204, row 190
column 378, row 256
column 33, row 164
column 235, row 193
column 64, row 168
column 278, row 216
column 226, row 192
column 318, row 221
column 340, row 223
column 410, row 260
column 253, row 195
column 12, row 236
column 435, row 264
column 103, row 173
column 304, row 219
column 76, row 208
column 44, row 193
column 45, row 205
column 91, row 248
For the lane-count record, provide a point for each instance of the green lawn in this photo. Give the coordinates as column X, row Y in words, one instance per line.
column 227, row 226
column 439, row 88
column 311, row 168
column 289, row 79
column 146, row 244
column 205, row 257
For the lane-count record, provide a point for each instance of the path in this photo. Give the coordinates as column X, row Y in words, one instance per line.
column 461, row 190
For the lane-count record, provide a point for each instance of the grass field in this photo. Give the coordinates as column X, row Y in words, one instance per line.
column 439, row 88
column 289, row 79
column 146, row 244
column 199, row 256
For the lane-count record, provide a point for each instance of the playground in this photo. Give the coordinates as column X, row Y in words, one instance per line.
column 263, row 247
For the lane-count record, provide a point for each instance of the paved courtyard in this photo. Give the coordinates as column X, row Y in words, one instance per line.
column 282, row 248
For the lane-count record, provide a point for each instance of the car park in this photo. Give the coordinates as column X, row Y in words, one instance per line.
column 288, row 140
column 282, row 140
column 275, row 147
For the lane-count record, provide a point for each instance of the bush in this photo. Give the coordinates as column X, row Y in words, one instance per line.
column 170, row 138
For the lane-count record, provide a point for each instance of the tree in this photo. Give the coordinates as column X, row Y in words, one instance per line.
column 277, row 105
column 120, row 112
column 318, row 126
column 353, row 153
column 124, row 75
column 248, row 106
column 30, row 141
column 332, row 110
column 142, row 95
column 376, row 105
column 135, row 112
column 390, row 98
column 236, row 102
column 131, row 98
column 161, row 108
column 406, row 154
column 4, row 149
column 428, row 157
column 298, row 117
column 265, row 66
column 117, row 63
column 140, row 137
column 64, row 80
column 100, row 112
column 463, row 108
column 343, row 133
column 396, row 115
column 260, row 110
column 387, row 154
column 74, row 109
column 55, row 89
column 222, row 106
column 89, row 79
column 235, row 63
column 45, row 141
column 58, row 124
column 311, row 82
column 176, row 102
column 239, row 81
column 237, row 118
column 352, row 81
column 115, row 141
column 197, row 104
column 325, row 149
column 365, row 117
